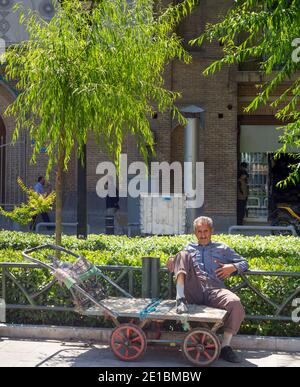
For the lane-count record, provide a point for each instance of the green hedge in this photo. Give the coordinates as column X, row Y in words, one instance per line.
column 263, row 253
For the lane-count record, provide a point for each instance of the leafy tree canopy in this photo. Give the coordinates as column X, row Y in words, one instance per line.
column 99, row 69
column 268, row 31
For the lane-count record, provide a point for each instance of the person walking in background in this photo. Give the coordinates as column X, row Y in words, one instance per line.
column 242, row 192
column 40, row 189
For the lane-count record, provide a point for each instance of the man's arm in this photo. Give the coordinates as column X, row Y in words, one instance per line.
column 234, row 263
column 237, row 260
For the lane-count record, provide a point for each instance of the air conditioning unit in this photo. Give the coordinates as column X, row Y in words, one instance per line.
column 162, row 215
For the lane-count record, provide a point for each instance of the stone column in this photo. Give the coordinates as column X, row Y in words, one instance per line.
column 195, row 120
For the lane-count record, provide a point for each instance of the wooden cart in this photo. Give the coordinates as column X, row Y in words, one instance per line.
column 139, row 322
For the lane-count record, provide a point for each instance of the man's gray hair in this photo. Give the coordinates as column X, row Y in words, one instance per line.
column 203, row 220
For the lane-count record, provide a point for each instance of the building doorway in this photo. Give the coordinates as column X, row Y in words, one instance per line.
column 265, row 171
column 258, row 199
column 279, row 170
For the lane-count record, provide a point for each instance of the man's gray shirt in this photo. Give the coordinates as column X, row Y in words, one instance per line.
column 207, row 259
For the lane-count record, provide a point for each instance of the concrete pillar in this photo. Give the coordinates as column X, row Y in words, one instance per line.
column 2, row 309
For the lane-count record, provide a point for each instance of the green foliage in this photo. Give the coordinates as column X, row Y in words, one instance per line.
column 97, row 70
column 272, row 253
column 283, row 248
column 36, row 204
column 265, row 31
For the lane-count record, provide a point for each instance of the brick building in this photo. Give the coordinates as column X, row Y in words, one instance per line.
column 227, row 136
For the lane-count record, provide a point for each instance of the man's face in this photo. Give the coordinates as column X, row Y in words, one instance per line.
column 203, row 233
column 43, row 181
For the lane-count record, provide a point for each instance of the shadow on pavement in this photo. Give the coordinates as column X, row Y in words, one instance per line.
column 101, row 356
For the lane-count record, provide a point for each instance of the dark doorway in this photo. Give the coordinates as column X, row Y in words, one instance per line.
column 257, row 203
column 2, row 160
column 279, row 170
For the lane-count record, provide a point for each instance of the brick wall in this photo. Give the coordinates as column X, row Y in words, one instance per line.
column 218, row 96
column 222, row 97
column 14, row 155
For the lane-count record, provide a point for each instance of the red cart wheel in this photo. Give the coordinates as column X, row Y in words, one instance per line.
column 201, row 347
column 128, row 342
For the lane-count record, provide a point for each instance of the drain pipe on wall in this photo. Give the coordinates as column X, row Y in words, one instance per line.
column 195, row 120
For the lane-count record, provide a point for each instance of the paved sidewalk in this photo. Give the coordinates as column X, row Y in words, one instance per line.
column 37, row 353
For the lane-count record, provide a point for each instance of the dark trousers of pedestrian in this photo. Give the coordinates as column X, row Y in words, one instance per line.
column 204, row 291
column 241, row 211
column 45, row 218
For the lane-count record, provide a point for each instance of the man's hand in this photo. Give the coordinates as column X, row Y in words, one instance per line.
column 225, row 270
column 170, row 264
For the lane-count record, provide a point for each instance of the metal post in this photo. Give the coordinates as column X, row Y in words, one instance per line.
column 2, row 310
column 109, row 225
column 146, row 277
column 195, row 120
column 82, row 197
column 155, row 280
column 190, row 156
column 170, row 285
column 3, row 295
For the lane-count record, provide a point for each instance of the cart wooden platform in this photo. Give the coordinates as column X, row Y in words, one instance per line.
column 129, row 340
column 138, row 321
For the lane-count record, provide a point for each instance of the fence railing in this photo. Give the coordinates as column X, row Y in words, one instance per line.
column 64, row 224
column 148, row 281
column 290, row 229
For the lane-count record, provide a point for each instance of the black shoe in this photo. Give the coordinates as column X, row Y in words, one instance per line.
column 181, row 306
column 228, row 354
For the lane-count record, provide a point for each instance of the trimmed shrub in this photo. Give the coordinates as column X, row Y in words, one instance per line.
column 274, row 253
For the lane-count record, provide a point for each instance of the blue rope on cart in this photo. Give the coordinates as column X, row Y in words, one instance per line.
column 151, row 307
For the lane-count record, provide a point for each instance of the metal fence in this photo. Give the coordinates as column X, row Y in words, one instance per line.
column 289, row 229
column 147, row 281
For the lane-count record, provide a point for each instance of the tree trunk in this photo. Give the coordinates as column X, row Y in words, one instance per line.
column 81, row 197
column 58, row 189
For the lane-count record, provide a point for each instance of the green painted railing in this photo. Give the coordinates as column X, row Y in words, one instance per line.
column 148, row 281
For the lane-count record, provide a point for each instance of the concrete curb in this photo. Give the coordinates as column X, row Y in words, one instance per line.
column 266, row 343
column 102, row 335
column 53, row 332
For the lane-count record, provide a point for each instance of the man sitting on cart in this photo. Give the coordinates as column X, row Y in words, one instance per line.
column 200, row 270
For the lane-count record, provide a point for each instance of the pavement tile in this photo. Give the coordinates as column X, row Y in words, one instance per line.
column 30, row 353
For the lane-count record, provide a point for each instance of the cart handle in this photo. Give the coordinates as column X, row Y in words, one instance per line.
column 26, row 254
